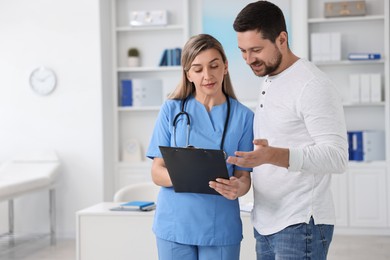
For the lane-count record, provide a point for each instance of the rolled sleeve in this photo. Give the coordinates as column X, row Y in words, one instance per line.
column 295, row 159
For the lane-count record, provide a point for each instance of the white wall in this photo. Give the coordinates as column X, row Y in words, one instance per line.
column 65, row 36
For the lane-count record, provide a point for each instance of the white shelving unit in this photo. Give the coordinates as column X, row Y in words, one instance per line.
column 362, row 194
column 138, row 122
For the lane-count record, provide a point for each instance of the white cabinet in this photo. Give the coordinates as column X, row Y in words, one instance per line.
column 103, row 234
column 360, row 197
column 362, row 193
column 136, row 123
column 367, row 193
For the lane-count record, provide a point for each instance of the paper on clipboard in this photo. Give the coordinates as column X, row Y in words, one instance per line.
column 191, row 169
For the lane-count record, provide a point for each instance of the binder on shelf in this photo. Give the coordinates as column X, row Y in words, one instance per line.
column 335, row 45
column 365, row 88
column 325, row 46
column 357, row 146
column 350, row 150
column 171, row 57
column 364, row 56
column 177, row 57
column 354, row 88
column 366, row 145
column 164, row 58
column 375, row 87
column 126, row 93
column 147, row 92
column 315, row 51
column 373, row 145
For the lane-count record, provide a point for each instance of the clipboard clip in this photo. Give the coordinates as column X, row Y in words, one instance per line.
column 193, row 147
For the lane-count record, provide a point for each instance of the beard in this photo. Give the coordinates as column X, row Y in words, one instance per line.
column 268, row 68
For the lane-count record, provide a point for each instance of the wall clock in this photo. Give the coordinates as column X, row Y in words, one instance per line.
column 43, row 81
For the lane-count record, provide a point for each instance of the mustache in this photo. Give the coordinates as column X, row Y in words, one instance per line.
column 257, row 63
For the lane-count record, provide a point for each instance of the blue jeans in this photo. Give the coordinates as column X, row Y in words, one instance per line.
column 296, row 242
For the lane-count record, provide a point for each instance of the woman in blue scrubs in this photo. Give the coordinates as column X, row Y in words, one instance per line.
column 194, row 226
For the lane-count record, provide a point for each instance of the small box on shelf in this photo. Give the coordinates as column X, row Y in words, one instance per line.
column 345, row 8
column 149, row 18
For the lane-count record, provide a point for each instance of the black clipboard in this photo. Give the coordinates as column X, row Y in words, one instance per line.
column 191, row 169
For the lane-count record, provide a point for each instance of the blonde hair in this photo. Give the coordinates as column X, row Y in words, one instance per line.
column 195, row 45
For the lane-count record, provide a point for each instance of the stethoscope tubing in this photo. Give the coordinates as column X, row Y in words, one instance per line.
column 183, row 112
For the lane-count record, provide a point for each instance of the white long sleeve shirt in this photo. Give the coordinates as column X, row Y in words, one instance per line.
column 299, row 109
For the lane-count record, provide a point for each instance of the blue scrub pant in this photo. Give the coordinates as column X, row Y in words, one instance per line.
column 296, row 242
column 168, row 250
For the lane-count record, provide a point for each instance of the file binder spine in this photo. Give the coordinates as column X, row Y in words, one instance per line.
column 364, row 56
column 367, row 145
column 126, row 93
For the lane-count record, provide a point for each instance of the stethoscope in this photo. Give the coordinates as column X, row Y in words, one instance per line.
column 183, row 112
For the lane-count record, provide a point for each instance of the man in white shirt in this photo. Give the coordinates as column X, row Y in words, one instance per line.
column 300, row 140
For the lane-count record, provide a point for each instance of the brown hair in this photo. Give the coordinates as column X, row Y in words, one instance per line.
column 262, row 16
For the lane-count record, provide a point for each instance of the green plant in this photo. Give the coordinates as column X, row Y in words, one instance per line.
column 133, row 52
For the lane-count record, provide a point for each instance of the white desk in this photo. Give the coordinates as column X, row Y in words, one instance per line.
column 103, row 234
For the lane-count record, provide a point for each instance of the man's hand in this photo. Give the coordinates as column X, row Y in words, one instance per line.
column 253, row 158
column 262, row 154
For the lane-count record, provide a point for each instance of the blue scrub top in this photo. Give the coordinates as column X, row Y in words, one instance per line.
column 191, row 218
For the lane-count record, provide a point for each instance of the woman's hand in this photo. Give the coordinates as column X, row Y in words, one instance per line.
column 237, row 185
